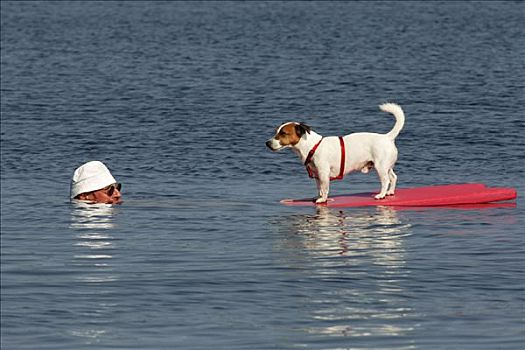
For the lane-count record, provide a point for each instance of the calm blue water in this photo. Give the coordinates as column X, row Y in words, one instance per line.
column 178, row 98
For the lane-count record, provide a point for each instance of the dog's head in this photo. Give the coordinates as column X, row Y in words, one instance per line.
column 287, row 135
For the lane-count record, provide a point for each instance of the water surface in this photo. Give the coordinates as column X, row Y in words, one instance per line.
column 178, row 98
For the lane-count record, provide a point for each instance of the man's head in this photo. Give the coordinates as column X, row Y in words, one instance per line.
column 93, row 182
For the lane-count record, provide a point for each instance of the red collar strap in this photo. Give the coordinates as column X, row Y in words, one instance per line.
column 341, row 166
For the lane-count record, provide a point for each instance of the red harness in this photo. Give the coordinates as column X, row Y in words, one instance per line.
column 341, row 166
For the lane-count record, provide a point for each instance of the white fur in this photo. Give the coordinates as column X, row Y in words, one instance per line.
column 362, row 149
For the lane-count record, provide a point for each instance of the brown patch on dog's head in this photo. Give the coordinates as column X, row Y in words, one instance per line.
column 287, row 135
column 302, row 129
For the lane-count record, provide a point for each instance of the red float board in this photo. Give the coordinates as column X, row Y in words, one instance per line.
column 428, row 196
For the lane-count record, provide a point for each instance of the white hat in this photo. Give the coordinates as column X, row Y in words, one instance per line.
column 89, row 177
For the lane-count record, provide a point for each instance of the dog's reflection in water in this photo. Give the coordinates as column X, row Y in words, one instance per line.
column 377, row 231
column 351, row 267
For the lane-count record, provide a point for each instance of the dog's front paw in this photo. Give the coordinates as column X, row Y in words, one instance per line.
column 321, row 200
column 379, row 196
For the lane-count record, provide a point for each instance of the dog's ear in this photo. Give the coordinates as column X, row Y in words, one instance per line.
column 302, row 129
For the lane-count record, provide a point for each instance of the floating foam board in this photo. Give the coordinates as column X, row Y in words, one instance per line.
column 428, row 196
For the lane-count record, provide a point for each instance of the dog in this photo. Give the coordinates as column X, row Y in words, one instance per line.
column 330, row 158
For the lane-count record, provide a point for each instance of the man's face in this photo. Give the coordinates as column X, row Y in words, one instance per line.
column 108, row 195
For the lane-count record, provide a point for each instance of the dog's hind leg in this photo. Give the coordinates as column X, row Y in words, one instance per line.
column 385, row 181
column 393, row 181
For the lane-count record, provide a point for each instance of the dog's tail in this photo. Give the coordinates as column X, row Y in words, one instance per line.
column 400, row 118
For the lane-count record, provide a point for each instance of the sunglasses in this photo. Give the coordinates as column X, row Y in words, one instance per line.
column 111, row 188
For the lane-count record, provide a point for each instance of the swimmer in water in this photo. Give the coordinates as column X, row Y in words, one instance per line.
column 92, row 182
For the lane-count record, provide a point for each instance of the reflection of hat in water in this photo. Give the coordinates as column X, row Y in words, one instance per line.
column 89, row 177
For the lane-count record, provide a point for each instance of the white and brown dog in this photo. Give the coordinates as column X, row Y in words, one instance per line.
column 332, row 157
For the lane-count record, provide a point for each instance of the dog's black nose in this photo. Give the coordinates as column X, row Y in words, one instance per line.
column 269, row 144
